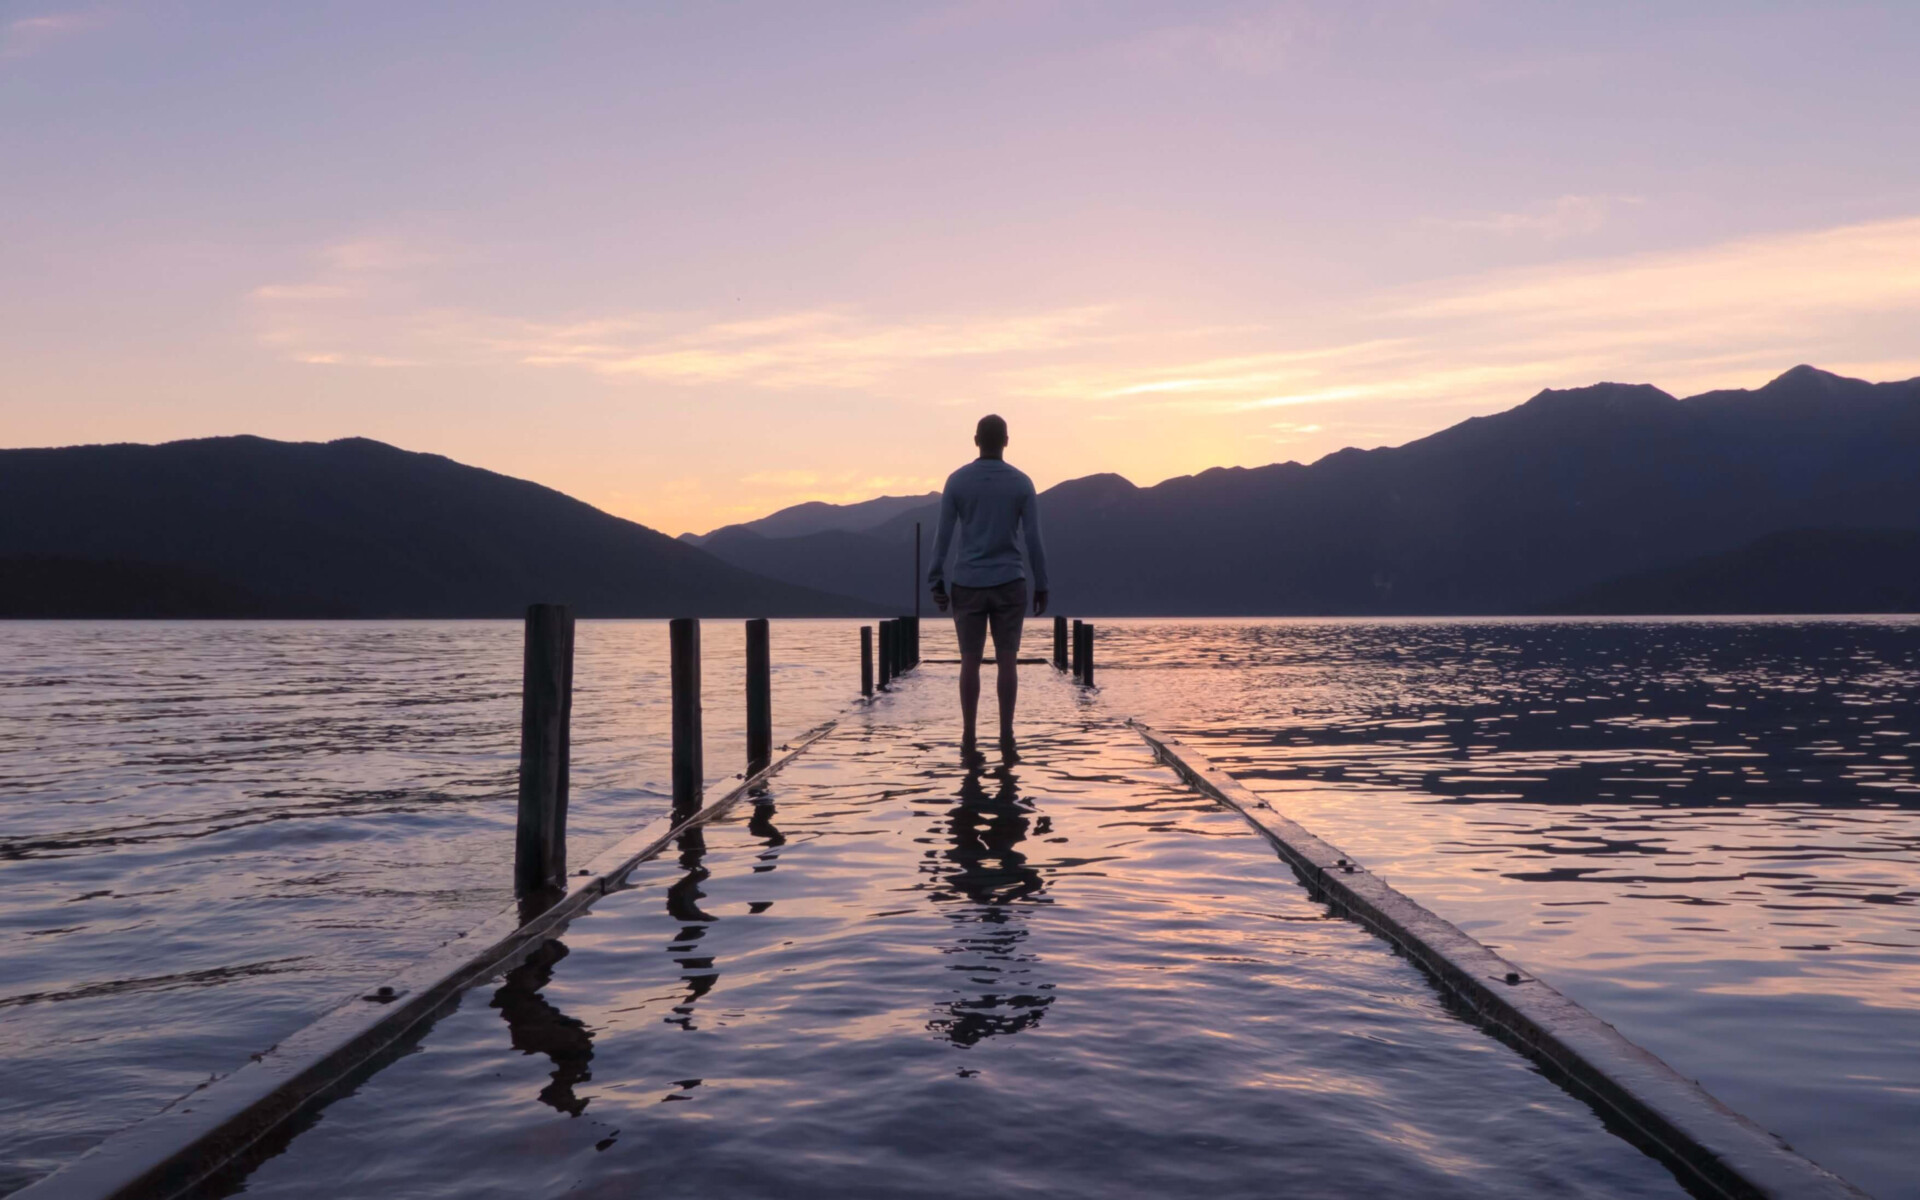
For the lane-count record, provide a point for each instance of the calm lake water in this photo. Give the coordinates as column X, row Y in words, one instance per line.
column 1708, row 832
column 215, row 831
column 1073, row 979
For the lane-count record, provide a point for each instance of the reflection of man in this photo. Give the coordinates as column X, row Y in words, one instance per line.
column 990, row 500
column 984, row 876
column 988, row 869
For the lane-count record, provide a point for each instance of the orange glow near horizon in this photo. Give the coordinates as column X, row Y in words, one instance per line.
column 802, row 255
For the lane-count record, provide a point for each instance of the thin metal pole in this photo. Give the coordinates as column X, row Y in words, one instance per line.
column 759, row 696
column 546, row 711
column 916, row 570
column 689, row 749
column 866, row 660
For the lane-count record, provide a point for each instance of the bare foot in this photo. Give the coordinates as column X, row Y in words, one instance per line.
column 970, row 756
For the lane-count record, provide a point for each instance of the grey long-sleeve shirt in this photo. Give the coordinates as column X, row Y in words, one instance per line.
column 989, row 500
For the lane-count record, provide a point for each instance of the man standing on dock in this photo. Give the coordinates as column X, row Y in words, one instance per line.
column 990, row 500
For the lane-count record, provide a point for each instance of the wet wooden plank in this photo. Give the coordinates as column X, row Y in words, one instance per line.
column 194, row 1137
column 1714, row 1149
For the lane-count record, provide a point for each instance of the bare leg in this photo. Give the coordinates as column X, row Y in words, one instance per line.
column 969, row 697
column 971, row 631
column 1009, row 691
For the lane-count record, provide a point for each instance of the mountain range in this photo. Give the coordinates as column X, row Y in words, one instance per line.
column 1799, row 496
column 247, row 527
column 1532, row 510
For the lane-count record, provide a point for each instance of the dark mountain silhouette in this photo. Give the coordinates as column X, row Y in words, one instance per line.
column 244, row 525
column 878, row 568
column 1502, row 514
column 42, row 586
column 1794, row 571
column 817, row 516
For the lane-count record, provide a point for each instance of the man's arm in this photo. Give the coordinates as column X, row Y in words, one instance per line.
column 1036, row 550
column 942, row 539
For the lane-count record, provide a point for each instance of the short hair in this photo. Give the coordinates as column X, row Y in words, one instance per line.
column 991, row 431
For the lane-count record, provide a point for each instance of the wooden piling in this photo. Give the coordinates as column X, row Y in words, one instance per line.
column 886, row 654
column 546, row 711
column 1060, row 643
column 759, row 696
column 1086, row 656
column 1074, row 664
column 689, row 749
column 866, row 660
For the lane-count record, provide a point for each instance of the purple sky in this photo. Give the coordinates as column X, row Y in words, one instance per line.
column 694, row 262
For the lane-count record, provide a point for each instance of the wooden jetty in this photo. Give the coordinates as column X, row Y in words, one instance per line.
column 234, row 1123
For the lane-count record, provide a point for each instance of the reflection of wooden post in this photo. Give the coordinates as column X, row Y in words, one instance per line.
column 1060, row 643
column 689, row 750
column 1074, row 664
column 866, row 660
column 546, row 709
column 759, row 697
column 1086, row 658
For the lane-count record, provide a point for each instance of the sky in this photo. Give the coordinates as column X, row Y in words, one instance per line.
column 694, row 262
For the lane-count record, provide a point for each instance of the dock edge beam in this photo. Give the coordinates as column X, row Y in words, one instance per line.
column 1714, row 1150
column 196, row 1136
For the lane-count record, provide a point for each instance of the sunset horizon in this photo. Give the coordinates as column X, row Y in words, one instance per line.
column 1136, row 599
column 1156, row 239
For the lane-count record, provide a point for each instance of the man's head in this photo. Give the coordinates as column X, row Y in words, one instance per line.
column 991, row 435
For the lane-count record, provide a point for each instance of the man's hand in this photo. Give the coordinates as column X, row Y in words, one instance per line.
column 1039, row 604
column 940, row 597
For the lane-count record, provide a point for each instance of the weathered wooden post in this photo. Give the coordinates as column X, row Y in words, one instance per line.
column 1086, row 657
column 1074, row 665
column 866, row 660
column 546, row 712
column 1060, row 643
column 689, row 749
column 759, row 696
column 886, row 654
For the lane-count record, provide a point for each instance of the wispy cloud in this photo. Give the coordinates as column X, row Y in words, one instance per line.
column 1563, row 217
column 360, row 308
column 1409, row 359
column 1688, row 320
column 1252, row 43
column 837, row 487
column 24, row 37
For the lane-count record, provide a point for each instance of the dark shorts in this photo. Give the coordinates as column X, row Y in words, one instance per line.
column 1002, row 606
